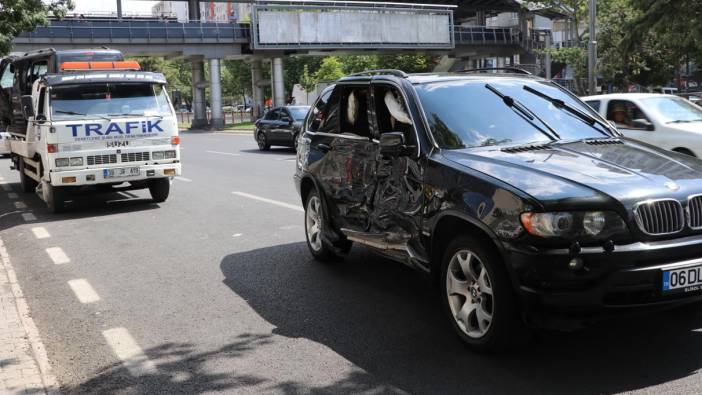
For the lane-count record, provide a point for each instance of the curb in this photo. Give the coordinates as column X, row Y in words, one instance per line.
column 51, row 386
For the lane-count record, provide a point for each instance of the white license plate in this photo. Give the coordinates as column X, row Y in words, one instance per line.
column 688, row 279
column 120, row 172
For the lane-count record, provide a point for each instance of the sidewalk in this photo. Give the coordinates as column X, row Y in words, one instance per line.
column 24, row 367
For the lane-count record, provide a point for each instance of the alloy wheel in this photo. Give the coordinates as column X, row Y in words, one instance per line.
column 470, row 295
column 313, row 222
column 261, row 140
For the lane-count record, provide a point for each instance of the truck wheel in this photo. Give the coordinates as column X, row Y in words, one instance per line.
column 27, row 183
column 477, row 296
column 160, row 188
column 55, row 198
column 314, row 224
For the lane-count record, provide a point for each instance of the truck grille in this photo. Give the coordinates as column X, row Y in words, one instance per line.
column 659, row 217
column 135, row 157
column 102, row 159
column 694, row 207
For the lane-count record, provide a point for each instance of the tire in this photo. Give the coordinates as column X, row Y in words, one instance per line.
column 27, row 183
column 295, row 141
column 55, row 198
column 262, row 141
column 484, row 320
column 159, row 189
column 314, row 224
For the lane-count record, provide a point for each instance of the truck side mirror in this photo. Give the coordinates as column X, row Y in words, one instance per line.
column 392, row 143
column 27, row 106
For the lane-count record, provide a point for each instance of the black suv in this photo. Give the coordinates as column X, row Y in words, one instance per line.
column 525, row 205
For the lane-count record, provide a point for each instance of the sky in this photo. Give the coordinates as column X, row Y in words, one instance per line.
column 136, row 6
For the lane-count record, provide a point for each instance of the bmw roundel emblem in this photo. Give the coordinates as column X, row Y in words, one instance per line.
column 672, row 186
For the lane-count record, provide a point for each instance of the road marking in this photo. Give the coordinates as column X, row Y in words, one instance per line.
column 127, row 349
column 262, row 199
column 12, row 195
column 20, row 205
column 40, row 232
column 28, row 217
column 223, row 153
column 83, row 290
column 57, row 255
column 179, row 178
column 236, row 235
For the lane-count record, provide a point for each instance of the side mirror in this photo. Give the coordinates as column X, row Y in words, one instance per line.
column 642, row 124
column 27, row 106
column 392, row 143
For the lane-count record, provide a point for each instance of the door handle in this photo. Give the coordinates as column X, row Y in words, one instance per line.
column 324, row 147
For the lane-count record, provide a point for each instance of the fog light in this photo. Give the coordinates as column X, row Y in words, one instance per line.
column 169, row 172
column 68, row 180
column 575, row 264
column 62, row 162
column 90, row 177
column 76, row 161
column 158, row 155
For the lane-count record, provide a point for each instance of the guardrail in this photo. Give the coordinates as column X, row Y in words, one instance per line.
column 110, row 31
column 485, row 35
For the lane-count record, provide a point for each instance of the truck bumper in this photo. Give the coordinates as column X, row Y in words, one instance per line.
column 96, row 176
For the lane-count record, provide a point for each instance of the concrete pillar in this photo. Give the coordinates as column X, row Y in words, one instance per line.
column 199, row 108
column 547, row 57
column 257, row 90
column 500, row 62
column 194, row 10
column 217, row 118
column 119, row 9
column 278, row 85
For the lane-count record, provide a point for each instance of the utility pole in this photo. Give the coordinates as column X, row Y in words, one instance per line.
column 592, row 50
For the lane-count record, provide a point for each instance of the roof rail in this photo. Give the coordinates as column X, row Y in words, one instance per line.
column 512, row 69
column 395, row 72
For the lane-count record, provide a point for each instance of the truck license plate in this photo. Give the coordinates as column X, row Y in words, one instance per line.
column 687, row 279
column 120, row 172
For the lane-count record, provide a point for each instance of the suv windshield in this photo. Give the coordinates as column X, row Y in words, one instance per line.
column 105, row 100
column 673, row 109
column 464, row 113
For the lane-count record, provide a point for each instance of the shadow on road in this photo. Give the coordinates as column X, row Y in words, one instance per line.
column 386, row 319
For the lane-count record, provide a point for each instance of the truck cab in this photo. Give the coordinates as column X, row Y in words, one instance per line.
column 97, row 126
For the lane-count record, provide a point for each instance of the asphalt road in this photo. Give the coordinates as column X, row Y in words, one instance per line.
column 214, row 291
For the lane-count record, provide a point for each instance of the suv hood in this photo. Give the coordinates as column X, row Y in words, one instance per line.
column 588, row 170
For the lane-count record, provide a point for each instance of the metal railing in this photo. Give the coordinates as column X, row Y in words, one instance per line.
column 113, row 30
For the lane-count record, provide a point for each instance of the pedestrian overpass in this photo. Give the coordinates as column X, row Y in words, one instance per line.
column 279, row 28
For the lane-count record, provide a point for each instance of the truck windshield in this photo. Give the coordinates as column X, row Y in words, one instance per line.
column 464, row 114
column 105, row 100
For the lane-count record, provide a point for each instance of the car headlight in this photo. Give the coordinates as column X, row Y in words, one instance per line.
column 62, row 162
column 77, row 161
column 564, row 224
column 170, row 154
column 158, row 155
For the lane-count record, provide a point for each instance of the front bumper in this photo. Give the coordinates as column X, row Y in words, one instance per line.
column 81, row 176
column 628, row 279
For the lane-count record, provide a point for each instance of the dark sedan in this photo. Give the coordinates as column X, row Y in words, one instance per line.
column 280, row 126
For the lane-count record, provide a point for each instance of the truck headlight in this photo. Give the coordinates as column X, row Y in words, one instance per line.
column 565, row 224
column 62, row 162
column 77, row 161
column 170, row 154
column 158, row 155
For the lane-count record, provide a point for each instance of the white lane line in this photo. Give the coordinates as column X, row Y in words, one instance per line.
column 179, row 178
column 20, row 205
column 29, row 217
column 40, row 232
column 262, row 199
column 57, row 255
column 12, row 195
column 83, row 290
column 222, row 153
column 236, row 235
column 127, row 349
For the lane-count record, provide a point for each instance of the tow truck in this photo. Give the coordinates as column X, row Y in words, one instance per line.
column 96, row 126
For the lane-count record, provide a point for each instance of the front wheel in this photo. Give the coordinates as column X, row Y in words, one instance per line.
column 159, row 189
column 262, row 141
column 478, row 297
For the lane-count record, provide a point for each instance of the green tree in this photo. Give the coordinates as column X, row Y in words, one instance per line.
column 236, row 81
column 331, row 69
column 177, row 73
column 18, row 16
column 308, row 82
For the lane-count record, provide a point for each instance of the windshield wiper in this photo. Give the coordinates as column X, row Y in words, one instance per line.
column 82, row 114
column 131, row 114
column 685, row 120
column 528, row 114
column 558, row 103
